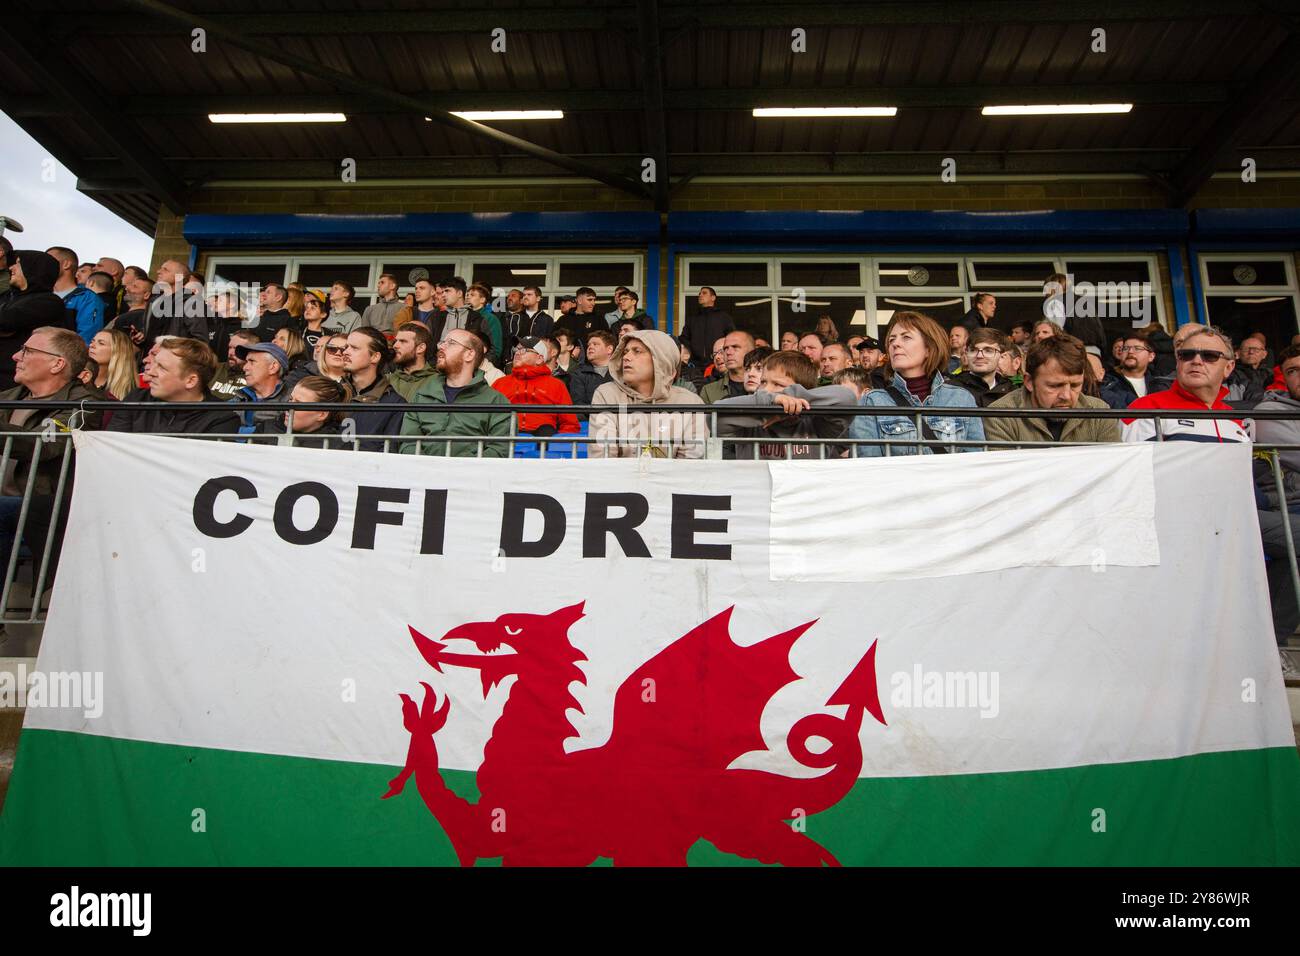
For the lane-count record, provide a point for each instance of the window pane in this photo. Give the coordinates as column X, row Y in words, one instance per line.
column 728, row 274
column 946, row 310
column 819, row 275
column 918, row 275
column 508, row 275
column 752, row 313
column 1117, row 271
column 597, row 275
column 437, row 271
column 321, row 275
column 1239, row 316
column 1010, row 309
column 259, row 273
column 848, row 314
column 1029, row 272
column 1246, row 272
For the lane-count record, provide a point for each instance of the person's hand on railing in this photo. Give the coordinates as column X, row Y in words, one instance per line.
column 790, row 404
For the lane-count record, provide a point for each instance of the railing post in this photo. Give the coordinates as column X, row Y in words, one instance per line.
column 1276, row 460
column 52, row 535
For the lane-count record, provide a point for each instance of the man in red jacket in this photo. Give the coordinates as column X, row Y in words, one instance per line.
column 1205, row 360
column 530, row 382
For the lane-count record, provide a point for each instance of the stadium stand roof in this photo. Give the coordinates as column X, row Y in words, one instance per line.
column 114, row 90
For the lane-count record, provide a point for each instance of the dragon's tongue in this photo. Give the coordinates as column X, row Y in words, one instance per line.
column 493, row 670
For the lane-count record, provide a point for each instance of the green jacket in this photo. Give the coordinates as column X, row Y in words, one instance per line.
column 715, row 391
column 50, row 451
column 407, row 384
column 1030, row 430
column 440, row 424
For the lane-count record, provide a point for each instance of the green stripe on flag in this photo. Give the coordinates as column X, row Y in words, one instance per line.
column 84, row 800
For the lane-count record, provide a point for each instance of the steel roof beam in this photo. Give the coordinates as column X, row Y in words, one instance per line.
column 416, row 105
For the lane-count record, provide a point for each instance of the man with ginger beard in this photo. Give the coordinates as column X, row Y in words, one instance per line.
column 458, row 380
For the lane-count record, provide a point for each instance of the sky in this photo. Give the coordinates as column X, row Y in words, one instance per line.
column 54, row 213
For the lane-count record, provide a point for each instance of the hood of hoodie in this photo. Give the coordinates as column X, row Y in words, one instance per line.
column 529, row 371
column 40, row 268
column 1283, row 399
column 667, row 357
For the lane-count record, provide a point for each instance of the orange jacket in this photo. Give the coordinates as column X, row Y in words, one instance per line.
column 535, row 385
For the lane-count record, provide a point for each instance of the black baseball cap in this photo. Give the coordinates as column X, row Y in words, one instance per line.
column 868, row 343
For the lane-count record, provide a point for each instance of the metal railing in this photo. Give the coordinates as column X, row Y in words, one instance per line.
column 35, row 518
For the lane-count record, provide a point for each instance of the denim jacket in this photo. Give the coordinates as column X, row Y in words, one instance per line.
column 942, row 395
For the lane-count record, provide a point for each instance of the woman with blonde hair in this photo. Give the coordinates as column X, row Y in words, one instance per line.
column 329, row 357
column 293, row 304
column 115, row 353
column 917, row 348
column 295, row 348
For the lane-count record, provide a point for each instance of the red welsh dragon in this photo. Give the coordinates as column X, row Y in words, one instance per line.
column 663, row 781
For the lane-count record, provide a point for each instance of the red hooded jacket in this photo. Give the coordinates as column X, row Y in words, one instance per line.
column 535, row 385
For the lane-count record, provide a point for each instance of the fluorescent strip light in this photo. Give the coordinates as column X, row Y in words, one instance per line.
column 528, row 272
column 1057, row 109
column 277, row 118
column 492, row 115
column 825, row 111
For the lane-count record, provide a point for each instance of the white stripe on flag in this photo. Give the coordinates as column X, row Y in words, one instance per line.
column 895, row 519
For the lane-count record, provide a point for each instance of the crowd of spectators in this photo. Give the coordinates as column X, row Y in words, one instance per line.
column 73, row 332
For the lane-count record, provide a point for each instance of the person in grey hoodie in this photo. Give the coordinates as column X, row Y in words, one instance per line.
column 1286, row 615
column 642, row 371
column 789, row 387
column 380, row 315
column 342, row 316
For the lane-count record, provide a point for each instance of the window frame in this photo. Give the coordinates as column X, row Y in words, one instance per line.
column 462, row 261
column 871, row 289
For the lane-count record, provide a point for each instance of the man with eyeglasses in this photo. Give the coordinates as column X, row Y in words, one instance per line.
column 979, row 374
column 46, row 367
column 1252, row 374
column 458, row 380
column 1204, row 363
column 1133, row 377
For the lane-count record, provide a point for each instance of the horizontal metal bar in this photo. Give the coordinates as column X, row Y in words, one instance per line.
column 869, row 411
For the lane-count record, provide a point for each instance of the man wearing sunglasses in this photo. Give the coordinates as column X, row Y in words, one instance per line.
column 1204, row 362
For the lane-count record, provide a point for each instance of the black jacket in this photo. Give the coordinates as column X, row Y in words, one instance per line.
column 1118, row 392
column 372, row 418
column 703, row 329
column 173, row 417
column 517, row 325
column 1088, row 330
column 976, row 385
column 582, row 384
column 1162, row 343
column 972, row 320
column 327, row 436
column 30, row 309
column 272, row 321
column 579, row 326
column 186, row 315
